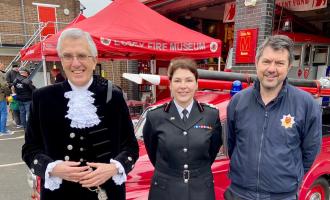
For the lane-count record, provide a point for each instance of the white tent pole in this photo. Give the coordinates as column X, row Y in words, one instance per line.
column 113, row 71
column 44, row 69
column 153, row 71
column 219, row 63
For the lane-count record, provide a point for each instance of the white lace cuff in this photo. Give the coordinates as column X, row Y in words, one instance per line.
column 119, row 178
column 52, row 182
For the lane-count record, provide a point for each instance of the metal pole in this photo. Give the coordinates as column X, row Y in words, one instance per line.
column 24, row 20
column 153, row 87
column 113, row 71
column 44, row 68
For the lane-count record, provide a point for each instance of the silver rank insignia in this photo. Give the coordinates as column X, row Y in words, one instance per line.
column 172, row 118
column 101, row 194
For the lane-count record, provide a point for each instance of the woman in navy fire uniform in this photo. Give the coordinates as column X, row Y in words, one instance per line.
column 182, row 139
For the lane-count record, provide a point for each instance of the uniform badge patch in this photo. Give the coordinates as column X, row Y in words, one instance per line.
column 287, row 121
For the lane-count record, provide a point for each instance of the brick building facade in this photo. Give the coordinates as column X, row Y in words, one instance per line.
column 19, row 21
column 259, row 16
column 114, row 70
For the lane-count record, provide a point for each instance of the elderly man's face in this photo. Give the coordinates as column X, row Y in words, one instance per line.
column 77, row 60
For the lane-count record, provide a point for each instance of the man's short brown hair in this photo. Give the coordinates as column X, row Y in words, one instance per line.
column 182, row 63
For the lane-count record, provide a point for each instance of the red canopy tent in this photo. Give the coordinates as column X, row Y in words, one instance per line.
column 127, row 29
column 32, row 53
column 36, row 51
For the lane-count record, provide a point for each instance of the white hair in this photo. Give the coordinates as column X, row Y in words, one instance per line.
column 76, row 33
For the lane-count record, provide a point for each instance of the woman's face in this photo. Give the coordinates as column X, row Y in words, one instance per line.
column 183, row 86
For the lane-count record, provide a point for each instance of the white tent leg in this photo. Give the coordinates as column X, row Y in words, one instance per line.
column 44, row 68
column 113, row 71
column 219, row 63
column 153, row 71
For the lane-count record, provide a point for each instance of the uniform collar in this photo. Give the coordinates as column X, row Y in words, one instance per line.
column 180, row 109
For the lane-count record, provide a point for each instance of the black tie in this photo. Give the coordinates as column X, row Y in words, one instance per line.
column 185, row 112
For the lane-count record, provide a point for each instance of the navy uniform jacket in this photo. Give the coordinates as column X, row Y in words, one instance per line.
column 49, row 137
column 179, row 149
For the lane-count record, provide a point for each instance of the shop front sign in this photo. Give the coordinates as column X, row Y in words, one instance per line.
column 302, row 5
column 246, row 45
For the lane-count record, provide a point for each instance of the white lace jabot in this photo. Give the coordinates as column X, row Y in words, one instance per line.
column 82, row 111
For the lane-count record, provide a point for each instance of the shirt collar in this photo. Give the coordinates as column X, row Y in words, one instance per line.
column 180, row 109
column 85, row 87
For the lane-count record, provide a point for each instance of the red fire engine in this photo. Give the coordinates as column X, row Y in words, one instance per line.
column 315, row 185
column 312, row 58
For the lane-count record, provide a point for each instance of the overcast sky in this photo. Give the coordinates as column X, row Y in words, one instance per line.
column 93, row 6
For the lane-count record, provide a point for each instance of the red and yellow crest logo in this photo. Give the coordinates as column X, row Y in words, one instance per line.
column 287, row 121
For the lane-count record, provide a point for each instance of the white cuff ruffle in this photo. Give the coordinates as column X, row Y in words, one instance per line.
column 52, row 182
column 81, row 111
column 121, row 177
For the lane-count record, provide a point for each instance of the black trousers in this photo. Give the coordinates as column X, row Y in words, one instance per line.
column 229, row 195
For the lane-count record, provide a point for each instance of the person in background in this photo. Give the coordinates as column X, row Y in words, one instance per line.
column 10, row 78
column 12, row 74
column 4, row 92
column 14, row 108
column 23, row 87
column 56, row 74
column 182, row 139
column 274, row 130
column 80, row 138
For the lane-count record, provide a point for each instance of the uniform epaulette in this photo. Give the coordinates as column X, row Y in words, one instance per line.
column 158, row 106
column 208, row 105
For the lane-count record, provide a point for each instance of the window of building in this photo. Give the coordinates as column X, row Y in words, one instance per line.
column 308, row 49
column 297, row 55
column 320, row 54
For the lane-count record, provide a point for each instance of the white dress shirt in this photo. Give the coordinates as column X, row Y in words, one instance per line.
column 180, row 109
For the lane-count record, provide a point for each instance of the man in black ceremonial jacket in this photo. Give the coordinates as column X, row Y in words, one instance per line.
column 80, row 138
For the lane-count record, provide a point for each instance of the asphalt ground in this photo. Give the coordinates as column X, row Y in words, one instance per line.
column 13, row 171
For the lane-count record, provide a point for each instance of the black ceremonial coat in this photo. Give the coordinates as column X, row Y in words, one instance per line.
column 49, row 137
column 174, row 146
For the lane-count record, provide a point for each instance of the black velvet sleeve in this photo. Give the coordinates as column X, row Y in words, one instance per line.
column 129, row 148
column 33, row 148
